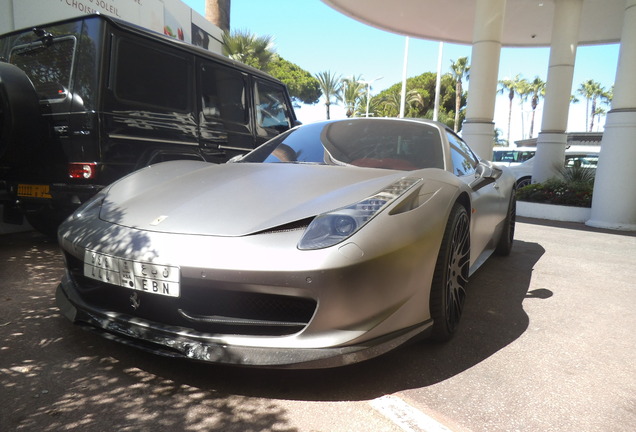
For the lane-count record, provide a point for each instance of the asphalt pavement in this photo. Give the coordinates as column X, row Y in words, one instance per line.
column 547, row 343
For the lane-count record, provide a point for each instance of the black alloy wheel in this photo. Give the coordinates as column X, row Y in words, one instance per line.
column 523, row 182
column 448, row 291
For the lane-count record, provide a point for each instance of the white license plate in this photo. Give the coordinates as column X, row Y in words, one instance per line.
column 136, row 275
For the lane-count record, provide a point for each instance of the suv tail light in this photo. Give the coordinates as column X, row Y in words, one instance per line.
column 82, row 170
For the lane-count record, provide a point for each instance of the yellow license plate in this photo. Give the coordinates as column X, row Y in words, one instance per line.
column 33, row 191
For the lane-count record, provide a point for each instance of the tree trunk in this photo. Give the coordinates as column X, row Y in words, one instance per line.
column 218, row 13
column 511, row 96
column 534, row 109
column 458, row 102
column 532, row 123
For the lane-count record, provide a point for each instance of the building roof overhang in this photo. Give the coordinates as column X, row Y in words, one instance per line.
column 527, row 23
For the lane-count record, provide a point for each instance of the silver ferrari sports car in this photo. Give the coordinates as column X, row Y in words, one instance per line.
column 330, row 244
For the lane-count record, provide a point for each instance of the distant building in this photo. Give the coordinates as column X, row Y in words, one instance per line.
column 171, row 17
column 574, row 138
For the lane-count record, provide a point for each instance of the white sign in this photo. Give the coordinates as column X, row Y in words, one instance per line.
column 170, row 17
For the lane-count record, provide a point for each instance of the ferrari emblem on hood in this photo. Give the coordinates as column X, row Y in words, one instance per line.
column 158, row 220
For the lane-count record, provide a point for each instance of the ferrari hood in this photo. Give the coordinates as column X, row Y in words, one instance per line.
column 235, row 199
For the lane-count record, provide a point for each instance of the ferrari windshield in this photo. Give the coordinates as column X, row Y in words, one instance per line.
column 373, row 143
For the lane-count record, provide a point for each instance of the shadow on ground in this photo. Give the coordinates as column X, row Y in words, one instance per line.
column 56, row 376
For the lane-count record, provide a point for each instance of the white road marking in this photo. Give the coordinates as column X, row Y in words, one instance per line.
column 405, row 416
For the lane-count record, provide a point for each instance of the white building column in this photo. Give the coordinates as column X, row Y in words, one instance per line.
column 479, row 128
column 614, row 202
column 552, row 139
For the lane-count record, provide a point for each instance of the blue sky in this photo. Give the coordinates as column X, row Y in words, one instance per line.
column 318, row 38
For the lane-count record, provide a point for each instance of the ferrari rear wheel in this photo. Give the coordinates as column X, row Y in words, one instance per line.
column 448, row 290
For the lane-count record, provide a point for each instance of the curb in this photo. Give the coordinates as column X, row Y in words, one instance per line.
column 553, row 212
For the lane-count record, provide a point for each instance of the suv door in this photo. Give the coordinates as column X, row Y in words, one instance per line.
column 148, row 104
column 224, row 117
column 272, row 110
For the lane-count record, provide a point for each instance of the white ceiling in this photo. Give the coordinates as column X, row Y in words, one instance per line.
column 526, row 22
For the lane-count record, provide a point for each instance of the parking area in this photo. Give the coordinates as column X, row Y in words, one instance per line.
column 547, row 343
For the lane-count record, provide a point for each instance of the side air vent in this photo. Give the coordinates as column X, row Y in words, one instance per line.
column 292, row 226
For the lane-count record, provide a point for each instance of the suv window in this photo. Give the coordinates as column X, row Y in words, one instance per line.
column 223, row 94
column 271, row 109
column 149, row 76
column 464, row 160
column 512, row 156
column 581, row 161
column 48, row 65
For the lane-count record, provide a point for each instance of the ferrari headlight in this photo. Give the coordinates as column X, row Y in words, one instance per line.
column 331, row 228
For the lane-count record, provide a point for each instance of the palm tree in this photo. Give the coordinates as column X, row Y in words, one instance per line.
column 522, row 89
column 331, row 86
column 498, row 140
column 218, row 13
column 591, row 91
column 391, row 103
column 537, row 90
column 606, row 98
column 600, row 112
column 509, row 85
column 352, row 92
column 392, row 100
column 459, row 70
column 246, row 47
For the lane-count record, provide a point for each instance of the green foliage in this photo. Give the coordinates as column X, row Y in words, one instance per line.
column 420, row 98
column 578, row 174
column 499, row 141
column 557, row 191
column 303, row 87
column 352, row 94
column 248, row 48
column 257, row 51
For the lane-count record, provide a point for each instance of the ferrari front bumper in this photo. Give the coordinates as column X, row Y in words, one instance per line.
column 184, row 343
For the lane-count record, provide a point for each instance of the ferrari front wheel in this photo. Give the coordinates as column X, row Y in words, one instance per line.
column 448, row 290
column 504, row 246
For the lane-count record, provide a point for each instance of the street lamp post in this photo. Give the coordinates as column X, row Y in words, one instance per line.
column 403, row 92
column 368, row 84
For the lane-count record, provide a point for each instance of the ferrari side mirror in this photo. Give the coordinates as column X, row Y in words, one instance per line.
column 485, row 173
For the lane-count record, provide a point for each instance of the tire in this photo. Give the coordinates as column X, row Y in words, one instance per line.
column 524, row 181
column 504, row 246
column 20, row 116
column 448, row 290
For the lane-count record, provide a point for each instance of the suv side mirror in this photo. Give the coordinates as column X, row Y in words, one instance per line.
column 485, row 173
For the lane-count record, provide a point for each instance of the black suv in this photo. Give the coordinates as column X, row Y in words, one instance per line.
column 88, row 100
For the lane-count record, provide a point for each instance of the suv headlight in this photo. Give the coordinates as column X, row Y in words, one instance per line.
column 334, row 227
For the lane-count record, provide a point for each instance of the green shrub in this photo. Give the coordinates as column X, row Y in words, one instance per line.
column 578, row 174
column 561, row 192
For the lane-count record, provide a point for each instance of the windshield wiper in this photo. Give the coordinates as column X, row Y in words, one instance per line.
column 44, row 41
column 45, row 37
